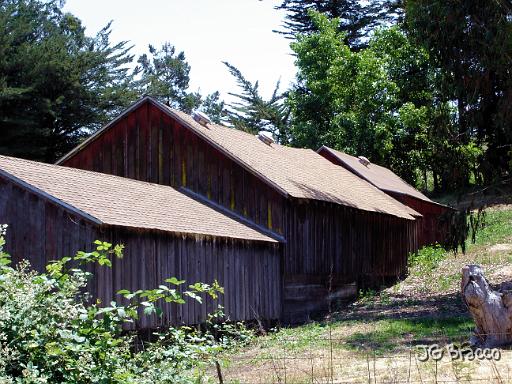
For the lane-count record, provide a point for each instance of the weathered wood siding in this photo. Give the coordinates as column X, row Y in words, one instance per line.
column 337, row 249
column 40, row 231
column 431, row 228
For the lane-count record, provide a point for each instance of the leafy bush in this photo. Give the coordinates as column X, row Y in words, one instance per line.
column 427, row 259
column 49, row 334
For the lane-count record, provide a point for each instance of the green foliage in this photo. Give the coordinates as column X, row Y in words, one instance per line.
column 356, row 19
column 497, row 228
column 370, row 296
column 366, row 296
column 426, row 260
column 470, row 42
column 381, row 102
column 253, row 114
column 165, row 75
column 214, row 107
column 57, row 85
column 49, row 332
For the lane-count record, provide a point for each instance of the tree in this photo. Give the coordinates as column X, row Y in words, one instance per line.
column 252, row 113
column 381, row 102
column 356, row 18
column 471, row 43
column 57, row 85
column 214, row 107
column 165, row 75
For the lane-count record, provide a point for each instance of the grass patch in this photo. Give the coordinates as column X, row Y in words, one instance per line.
column 397, row 334
column 425, row 308
column 497, row 229
column 298, row 339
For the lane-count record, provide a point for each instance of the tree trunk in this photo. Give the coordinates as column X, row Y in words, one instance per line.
column 491, row 310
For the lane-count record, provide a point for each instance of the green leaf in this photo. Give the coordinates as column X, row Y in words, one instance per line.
column 174, row 281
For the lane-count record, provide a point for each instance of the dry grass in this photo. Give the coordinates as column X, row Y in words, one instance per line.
column 375, row 339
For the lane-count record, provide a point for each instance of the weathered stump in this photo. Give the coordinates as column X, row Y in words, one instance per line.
column 491, row 310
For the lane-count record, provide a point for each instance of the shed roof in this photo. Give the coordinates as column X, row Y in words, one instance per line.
column 383, row 178
column 299, row 173
column 118, row 201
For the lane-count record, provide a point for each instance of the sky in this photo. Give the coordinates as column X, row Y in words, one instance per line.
column 208, row 31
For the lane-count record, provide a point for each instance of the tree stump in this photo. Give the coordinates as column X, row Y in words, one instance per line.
column 491, row 310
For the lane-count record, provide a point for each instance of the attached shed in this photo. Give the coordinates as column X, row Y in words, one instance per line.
column 54, row 211
column 432, row 226
column 338, row 231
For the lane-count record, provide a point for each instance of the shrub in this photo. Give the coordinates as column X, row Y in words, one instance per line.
column 49, row 334
column 427, row 258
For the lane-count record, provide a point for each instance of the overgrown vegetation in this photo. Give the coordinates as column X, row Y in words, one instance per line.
column 50, row 334
column 426, row 259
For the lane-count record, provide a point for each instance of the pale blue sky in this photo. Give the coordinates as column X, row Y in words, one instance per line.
column 208, row 31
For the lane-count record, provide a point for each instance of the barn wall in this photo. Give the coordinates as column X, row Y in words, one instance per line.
column 332, row 250
column 148, row 145
column 431, row 228
column 249, row 271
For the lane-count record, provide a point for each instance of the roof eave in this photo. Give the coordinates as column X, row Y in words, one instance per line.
column 233, row 215
column 191, row 235
column 330, row 151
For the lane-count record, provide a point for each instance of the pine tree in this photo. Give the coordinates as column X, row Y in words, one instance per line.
column 252, row 113
column 471, row 43
column 165, row 74
column 214, row 107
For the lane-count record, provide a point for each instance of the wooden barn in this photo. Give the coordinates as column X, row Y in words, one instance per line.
column 54, row 211
column 337, row 230
column 432, row 226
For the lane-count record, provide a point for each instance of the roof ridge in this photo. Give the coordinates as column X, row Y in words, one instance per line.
column 413, row 192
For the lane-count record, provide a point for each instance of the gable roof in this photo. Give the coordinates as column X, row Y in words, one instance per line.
column 118, row 201
column 299, row 173
column 383, row 178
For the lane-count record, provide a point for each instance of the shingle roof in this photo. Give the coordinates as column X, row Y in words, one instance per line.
column 119, row 201
column 383, row 178
column 300, row 173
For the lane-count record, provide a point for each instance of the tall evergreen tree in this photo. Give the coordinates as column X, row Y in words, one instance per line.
column 214, row 107
column 252, row 113
column 355, row 17
column 381, row 102
column 56, row 84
